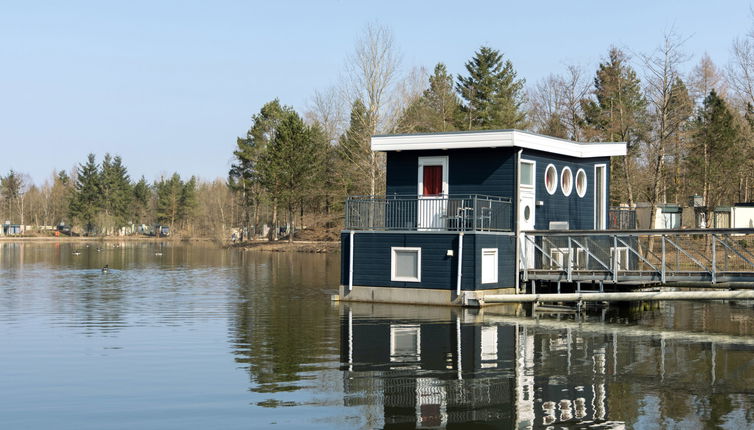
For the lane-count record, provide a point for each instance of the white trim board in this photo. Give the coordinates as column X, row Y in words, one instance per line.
column 497, row 139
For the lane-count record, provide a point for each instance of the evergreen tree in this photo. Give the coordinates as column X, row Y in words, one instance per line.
column 141, row 196
column 168, row 206
column 86, row 199
column 243, row 176
column 618, row 115
column 290, row 166
column 355, row 153
column 715, row 151
column 188, row 201
column 115, row 186
column 10, row 190
column 492, row 94
column 438, row 108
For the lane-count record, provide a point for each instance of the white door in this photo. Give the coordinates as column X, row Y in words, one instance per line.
column 526, row 205
column 433, row 193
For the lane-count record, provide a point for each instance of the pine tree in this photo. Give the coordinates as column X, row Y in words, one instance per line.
column 618, row 115
column 168, row 206
column 243, row 176
column 715, row 151
column 188, row 201
column 141, row 196
column 115, row 186
column 288, row 169
column 492, row 93
column 436, row 110
column 10, row 190
column 355, row 153
column 87, row 198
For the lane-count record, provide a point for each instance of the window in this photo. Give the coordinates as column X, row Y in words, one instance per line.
column 526, row 173
column 489, row 265
column 405, row 264
column 581, row 183
column 551, row 179
column 405, row 343
column 566, row 181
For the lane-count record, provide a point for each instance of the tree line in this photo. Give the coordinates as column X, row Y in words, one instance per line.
column 101, row 199
column 689, row 129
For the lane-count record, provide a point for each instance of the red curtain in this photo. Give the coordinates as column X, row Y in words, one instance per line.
column 432, row 180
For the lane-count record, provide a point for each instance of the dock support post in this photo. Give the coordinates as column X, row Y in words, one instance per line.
column 714, row 259
column 569, row 262
column 662, row 263
column 615, row 259
column 460, row 264
column 350, row 260
column 558, row 287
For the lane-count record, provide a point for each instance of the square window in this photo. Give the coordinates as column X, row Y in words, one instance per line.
column 489, row 265
column 405, row 264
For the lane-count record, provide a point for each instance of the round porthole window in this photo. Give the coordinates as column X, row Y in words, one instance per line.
column 551, row 179
column 527, row 212
column 566, row 181
column 581, row 183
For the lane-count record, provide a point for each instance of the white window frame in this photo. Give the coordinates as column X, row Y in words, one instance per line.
column 393, row 276
column 533, row 173
column 603, row 209
column 412, row 330
column 581, row 193
column 555, row 182
column 566, row 191
column 489, row 274
column 432, row 161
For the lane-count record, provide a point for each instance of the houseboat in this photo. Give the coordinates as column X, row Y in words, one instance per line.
column 449, row 228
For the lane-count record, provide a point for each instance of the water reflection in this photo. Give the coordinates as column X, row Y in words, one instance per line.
column 437, row 368
column 215, row 338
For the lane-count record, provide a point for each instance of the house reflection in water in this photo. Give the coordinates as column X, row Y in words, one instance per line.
column 440, row 367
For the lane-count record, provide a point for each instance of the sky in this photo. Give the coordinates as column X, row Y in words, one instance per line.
column 169, row 85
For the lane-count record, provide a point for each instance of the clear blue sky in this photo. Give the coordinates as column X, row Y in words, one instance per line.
column 169, row 85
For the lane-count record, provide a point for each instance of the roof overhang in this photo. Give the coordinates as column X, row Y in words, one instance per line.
column 496, row 139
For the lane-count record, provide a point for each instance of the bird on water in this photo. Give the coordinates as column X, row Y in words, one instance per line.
column 106, row 269
column 76, row 252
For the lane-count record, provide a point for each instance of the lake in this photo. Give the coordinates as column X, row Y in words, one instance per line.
column 192, row 336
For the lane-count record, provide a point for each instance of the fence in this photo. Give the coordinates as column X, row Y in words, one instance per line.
column 429, row 213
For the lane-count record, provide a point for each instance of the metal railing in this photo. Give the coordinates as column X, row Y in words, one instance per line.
column 470, row 212
column 666, row 257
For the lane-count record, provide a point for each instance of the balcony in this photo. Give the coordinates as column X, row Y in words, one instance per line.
column 453, row 213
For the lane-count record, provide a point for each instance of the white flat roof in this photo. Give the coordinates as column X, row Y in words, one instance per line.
column 497, row 139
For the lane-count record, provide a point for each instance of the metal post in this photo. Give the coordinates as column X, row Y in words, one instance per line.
column 662, row 263
column 714, row 259
column 350, row 260
column 460, row 264
column 615, row 259
column 568, row 261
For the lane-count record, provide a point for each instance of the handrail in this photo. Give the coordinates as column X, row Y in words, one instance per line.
column 444, row 212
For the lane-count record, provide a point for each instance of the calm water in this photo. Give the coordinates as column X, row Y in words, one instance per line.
column 208, row 338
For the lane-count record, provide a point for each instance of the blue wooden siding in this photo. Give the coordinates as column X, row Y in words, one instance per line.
column 370, row 344
column 372, row 258
column 488, row 171
column 506, row 264
column 578, row 211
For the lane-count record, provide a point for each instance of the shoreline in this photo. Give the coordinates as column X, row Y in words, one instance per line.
column 306, row 246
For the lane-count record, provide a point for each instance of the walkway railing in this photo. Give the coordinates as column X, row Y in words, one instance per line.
column 668, row 257
column 429, row 213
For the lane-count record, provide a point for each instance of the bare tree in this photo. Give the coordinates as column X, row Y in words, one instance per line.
column 705, row 77
column 740, row 70
column 555, row 104
column 372, row 73
column 669, row 108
